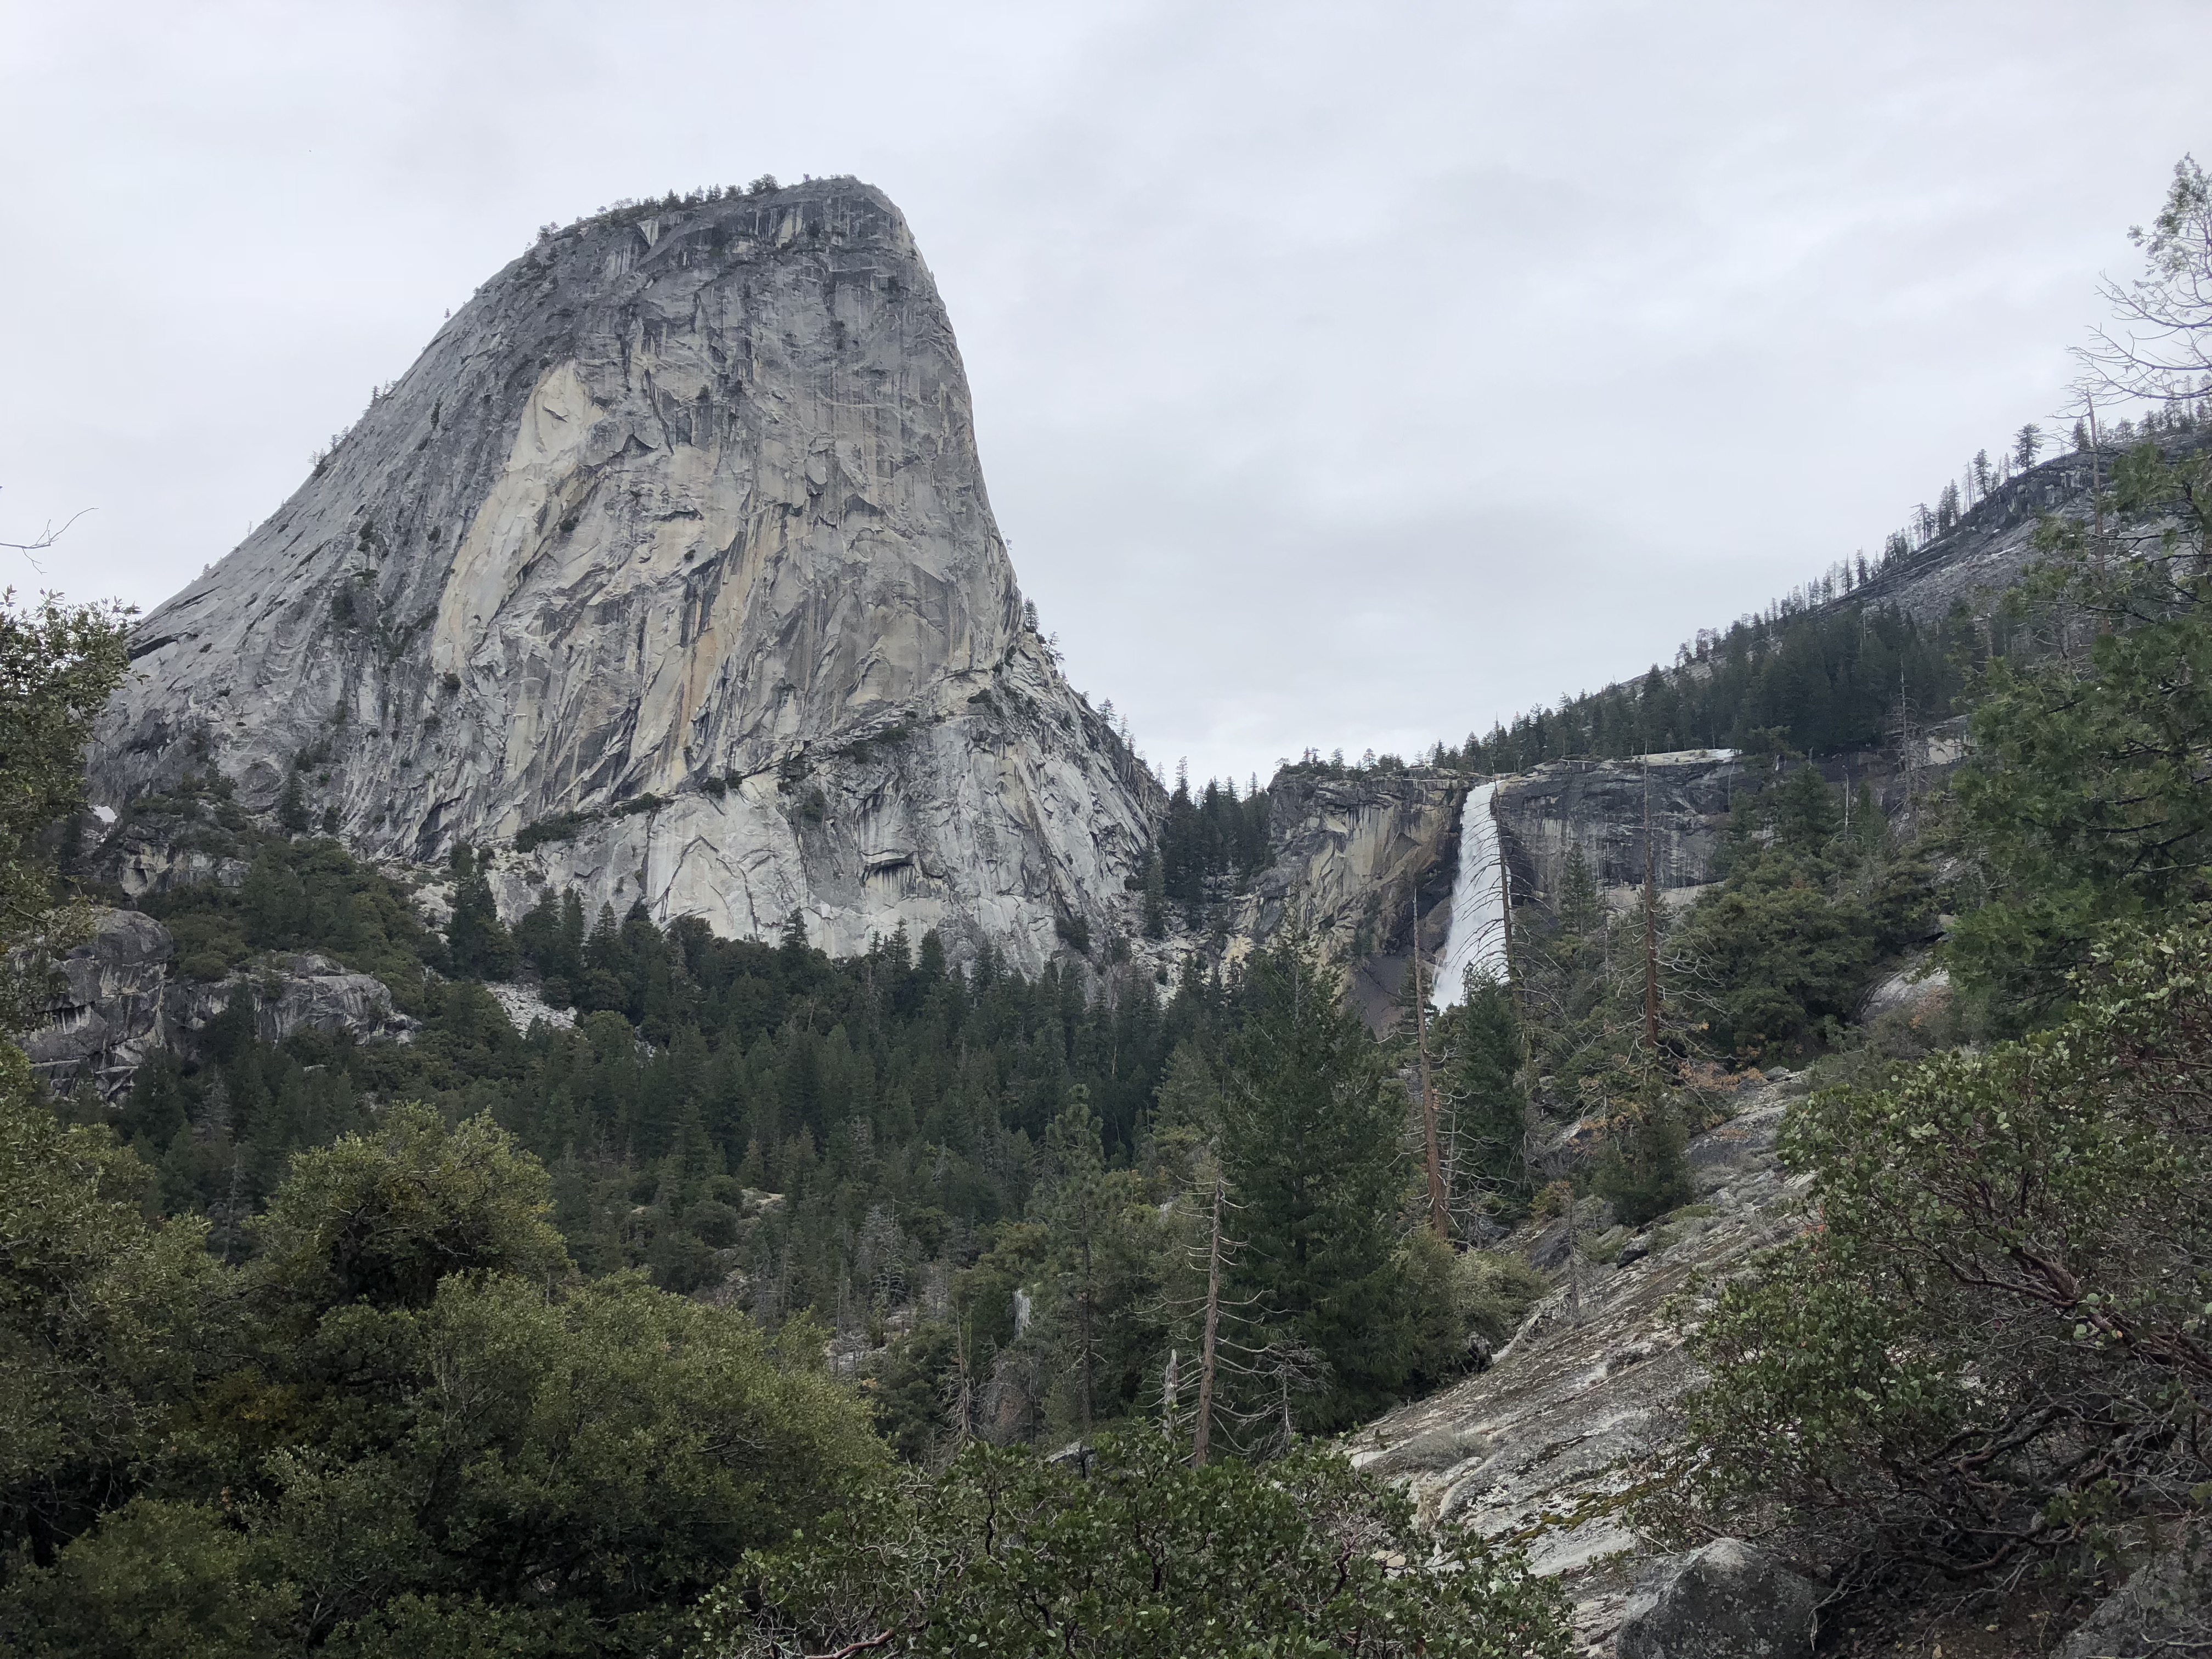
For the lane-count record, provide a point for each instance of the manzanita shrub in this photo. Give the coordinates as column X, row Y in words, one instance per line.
column 1990, row 1350
column 1128, row 1550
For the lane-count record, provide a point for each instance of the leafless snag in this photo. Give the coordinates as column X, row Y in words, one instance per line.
column 47, row 536
column 2159, row 347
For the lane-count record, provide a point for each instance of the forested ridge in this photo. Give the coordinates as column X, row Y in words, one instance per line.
column 736, row 1318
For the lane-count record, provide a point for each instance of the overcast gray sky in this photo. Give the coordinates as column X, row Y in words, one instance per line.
column 1346, row 375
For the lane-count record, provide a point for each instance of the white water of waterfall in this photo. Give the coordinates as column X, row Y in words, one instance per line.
column 1476, row 936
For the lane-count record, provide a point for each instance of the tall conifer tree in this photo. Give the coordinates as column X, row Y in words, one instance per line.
column 1312, row 1140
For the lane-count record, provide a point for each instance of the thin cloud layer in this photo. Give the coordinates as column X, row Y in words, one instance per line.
column 1345, row 376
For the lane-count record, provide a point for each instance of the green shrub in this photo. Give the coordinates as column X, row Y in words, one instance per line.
column 562, row 826
column 1991, row 1350
column 1129, row 1551
column 1646, row 1169
column 404, row 1427
column 1495, row 1292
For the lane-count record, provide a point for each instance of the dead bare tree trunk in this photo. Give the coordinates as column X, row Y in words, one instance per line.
column 1651, row 927
column 1087, row 1332
column 2096, row 487
column 964, row 1398
column 1210, row 1347
column 1439, row 1211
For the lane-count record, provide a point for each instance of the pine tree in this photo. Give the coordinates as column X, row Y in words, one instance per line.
column 1155, row 898
column 1072, row 1212
column 1946, row 508
column 1579, row 910
column 1807, row 813
column 1646, row 1170
column 1311, row 1128
column 292, row 807
column 1482, row 1039
column 478, row 941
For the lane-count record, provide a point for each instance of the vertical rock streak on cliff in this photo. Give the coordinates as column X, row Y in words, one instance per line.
column 681, row 515
column 1476, row 935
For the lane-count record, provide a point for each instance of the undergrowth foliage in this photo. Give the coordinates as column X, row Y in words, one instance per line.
column 1993, row 1349
column 1131, row 1552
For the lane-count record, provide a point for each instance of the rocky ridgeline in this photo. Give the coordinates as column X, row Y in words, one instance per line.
column 1991, row 546
column 667, row 573
column 1351, row 853
column 668, row 568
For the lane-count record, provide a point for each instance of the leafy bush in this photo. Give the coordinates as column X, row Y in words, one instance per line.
column 106, row 1322
column 406, row 1426
column 58, row 664
column 1495, row 1292
column 1129, row 1551
column 1992, row 1347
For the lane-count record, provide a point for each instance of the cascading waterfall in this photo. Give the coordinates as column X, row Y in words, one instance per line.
column 1476, row 936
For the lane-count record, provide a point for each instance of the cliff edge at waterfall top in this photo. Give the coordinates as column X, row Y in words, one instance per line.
column 668, row 572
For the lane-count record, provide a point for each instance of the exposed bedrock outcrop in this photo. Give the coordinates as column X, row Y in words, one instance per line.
column 289, row 991
column 2164, row 1607
column 681, row 513
column 1348, row 847
column 118, row 1003
column 1993, row 543
column 1355, row 852
column 153, row 852
column 107, row 1016
column 1604, row 807
column 1542, row 1445
column 1727, row 1601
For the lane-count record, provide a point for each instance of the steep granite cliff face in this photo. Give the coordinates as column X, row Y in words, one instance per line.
column 1541, row 1445
column 1602, row 808
column 671, row 556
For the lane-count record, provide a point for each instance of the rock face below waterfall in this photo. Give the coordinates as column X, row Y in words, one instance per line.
column 1350, row 855
column 1343, row 847
column 1354, row 852
column 670, row 559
